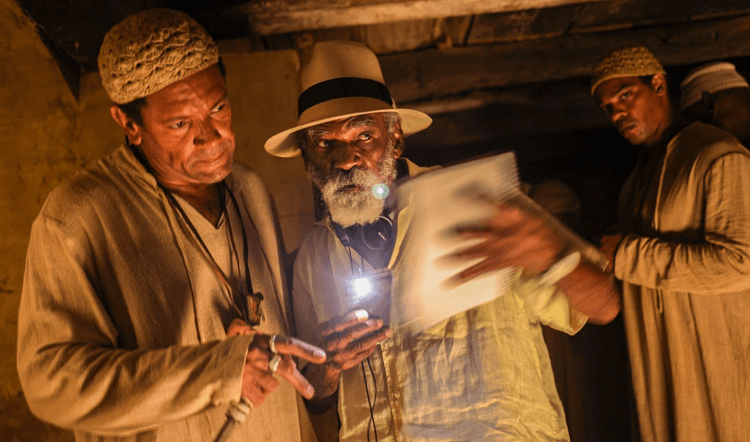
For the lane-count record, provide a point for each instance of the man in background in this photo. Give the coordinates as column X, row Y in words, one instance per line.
column 716, row 94
column 139, row 263
column 480, row 375
column 682, row 256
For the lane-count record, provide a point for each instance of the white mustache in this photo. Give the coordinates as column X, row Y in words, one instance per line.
column 355, row 177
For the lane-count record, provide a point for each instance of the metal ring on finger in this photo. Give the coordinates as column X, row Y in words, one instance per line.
column 272, row 344
column 248, row 402
column 273, row 364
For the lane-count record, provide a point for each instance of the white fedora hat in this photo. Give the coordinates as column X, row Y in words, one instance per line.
column 341, row 79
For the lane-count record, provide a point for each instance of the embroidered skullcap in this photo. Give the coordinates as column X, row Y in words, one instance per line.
column 151, row 50
column 711, row 77
column 628, row 61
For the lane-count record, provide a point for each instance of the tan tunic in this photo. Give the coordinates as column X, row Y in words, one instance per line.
column 122, row 320
column 686, row 290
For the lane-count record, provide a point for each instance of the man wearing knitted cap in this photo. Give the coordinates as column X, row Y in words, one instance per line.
column 682, row 256
column 479, row 375
column 146, row 270
column 716, row 94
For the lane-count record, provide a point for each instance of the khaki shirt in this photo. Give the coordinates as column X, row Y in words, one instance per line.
column 481, row 375
column 122, row 319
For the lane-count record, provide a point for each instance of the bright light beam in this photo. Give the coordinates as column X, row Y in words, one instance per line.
column 362, row 287
column 381, row 191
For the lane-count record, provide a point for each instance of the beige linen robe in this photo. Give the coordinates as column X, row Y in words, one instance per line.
column 686, row 291
column 122, row 319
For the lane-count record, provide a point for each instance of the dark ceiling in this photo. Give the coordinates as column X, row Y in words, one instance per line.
column 488, row 71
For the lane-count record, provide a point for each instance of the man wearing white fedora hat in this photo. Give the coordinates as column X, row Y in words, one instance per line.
column 480, row 375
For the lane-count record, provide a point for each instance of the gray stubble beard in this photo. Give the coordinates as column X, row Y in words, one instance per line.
column 348, row 208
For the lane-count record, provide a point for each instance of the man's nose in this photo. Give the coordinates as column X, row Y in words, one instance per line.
column 207, row 132
column 348, row 156
column 617, row 114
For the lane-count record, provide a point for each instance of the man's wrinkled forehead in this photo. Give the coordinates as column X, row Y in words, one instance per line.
column 344, row 123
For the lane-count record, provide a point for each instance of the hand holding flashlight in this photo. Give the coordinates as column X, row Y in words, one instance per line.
column 352, row 338
column 349, row 340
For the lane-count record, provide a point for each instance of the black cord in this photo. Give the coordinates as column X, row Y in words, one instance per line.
column 351, row 260
column 344, row 238
column 234, row 246
column 374, row 399
column 369, row 403
column 245, row 248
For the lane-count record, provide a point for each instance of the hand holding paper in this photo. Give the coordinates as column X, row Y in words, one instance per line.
column 428, row 288
column 469, row 231
column 512, row 238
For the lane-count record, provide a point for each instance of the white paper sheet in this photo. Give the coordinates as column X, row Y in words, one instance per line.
column 425, row 291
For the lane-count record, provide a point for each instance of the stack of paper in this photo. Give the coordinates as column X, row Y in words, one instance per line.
column 425, row 288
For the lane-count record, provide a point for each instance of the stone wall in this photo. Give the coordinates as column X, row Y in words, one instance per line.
column 46, row 135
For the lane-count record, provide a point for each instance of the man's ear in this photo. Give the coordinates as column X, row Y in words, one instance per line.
column 397, row 136
column 133, row 131
column 707, row 100
column 305, row 157
column 659, row 84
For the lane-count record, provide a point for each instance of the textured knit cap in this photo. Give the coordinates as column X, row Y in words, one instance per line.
column 628, row 61
column 151, row 50
column 711, row 77
column 341, row 79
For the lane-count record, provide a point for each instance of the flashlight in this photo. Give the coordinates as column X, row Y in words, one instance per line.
column 361, row 288
column 381, row 191
column 370, row 292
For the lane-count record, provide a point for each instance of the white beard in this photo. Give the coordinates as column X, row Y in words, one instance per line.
column 350, row 207
column 359, row 207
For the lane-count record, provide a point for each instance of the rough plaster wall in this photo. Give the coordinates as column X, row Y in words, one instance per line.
column 38, row 117
column 263, row 93
column 46, row 136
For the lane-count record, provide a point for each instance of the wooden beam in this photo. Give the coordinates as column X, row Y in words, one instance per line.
column 393, row 37
column 282, row 16
column 548, row 95
column 435, row 73
column 560, row 106
column 78, row 27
